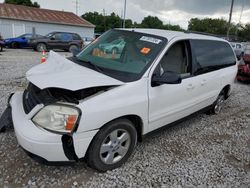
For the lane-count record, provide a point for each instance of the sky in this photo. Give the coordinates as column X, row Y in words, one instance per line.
column 169, row 11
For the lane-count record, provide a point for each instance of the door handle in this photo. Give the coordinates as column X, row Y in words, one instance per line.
column 203, row 82
column 190, row 86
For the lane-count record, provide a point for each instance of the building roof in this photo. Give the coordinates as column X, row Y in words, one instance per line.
column 19, row 12
column 173, row 34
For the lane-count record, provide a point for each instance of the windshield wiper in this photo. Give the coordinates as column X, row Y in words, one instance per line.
column 99, row 69
column 96, row 67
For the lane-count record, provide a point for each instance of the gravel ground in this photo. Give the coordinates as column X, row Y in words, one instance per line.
column 203, row 151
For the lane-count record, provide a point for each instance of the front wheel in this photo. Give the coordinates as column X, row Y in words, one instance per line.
column 112, row 146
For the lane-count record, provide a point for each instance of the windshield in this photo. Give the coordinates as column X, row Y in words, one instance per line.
column 49, row 35
column 23, row 36
column 123, row 55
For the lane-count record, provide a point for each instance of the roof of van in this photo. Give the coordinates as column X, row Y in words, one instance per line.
column 172, row 34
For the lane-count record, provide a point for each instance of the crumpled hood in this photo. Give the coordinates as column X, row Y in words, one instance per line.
column 59, row 72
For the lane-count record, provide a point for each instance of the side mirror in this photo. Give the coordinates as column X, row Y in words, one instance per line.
column 166, row 78
column 23, row 38
column 52, row 38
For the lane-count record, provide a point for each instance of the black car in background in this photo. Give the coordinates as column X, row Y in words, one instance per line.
column 1, row 43
column 57, row 40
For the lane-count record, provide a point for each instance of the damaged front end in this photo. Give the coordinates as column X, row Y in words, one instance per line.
column 34, row 134
column 33, row 95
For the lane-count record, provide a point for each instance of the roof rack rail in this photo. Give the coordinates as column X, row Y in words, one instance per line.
column 202, row 33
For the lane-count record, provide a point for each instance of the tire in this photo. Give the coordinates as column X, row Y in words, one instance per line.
column 112, row 146
column 1, row 48
column 72, row 48
column 41, row 47
column 217, row 106
column 14, row 45
column 6, row 120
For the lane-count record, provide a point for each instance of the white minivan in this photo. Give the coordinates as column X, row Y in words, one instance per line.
column 98, row 104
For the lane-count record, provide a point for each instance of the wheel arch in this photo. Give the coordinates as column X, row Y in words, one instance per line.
column 135, row 119
column 226, row 90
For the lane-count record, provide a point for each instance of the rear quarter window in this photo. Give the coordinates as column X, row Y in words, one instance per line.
column 212, row 55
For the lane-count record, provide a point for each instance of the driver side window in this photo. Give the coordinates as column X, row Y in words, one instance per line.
column 177, row 59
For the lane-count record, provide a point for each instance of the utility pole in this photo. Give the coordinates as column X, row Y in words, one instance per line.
column 104, row 17
column 230, row 18
column 76, row 2
column 124, row 16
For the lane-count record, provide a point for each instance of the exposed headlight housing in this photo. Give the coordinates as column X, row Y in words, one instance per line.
column 58, row 118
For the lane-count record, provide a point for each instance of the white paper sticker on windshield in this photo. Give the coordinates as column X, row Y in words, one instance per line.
column 151, row 39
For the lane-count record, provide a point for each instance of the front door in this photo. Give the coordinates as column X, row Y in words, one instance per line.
column 170, row 102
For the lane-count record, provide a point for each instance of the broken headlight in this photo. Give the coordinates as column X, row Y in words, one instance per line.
column 57, row 118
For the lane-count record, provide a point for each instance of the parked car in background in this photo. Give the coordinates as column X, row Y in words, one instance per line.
column 19, row 42
column 246, row 56
column 87, row 40
column 243, row 72
column 97, row 106
column 1, row 45
column 97, row 35
column 115, row 46
column 238, row 49
column 57, row 40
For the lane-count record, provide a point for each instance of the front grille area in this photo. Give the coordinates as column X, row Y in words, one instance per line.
column 30, row 98
column 33, row 96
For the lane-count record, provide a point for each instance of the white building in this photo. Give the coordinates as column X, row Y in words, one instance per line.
column 16, row 20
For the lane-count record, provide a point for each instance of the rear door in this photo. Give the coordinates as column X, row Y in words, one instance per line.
column 54, row 41
column 211, row 59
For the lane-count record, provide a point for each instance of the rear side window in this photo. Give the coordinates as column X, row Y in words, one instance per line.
column 76, row 37
column 212, row 55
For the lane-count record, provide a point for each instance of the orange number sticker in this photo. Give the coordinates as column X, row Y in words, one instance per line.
column 145, row 50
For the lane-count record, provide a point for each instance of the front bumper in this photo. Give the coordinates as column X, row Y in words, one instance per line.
column 47, row 145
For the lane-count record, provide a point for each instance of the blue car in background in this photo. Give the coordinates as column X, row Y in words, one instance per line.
column 19, row 42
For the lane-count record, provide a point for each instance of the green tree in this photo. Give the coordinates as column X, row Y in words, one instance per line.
column 152, row 22
column 104, row 23
column 172, row 27
column 96, row 19
column 23, row 2
column 209, row 25
column 244, row 32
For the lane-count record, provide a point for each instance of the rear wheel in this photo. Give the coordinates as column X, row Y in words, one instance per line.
column 73, row 48
column 14, row 45
column 218, row 105
column 112, row 146
column 41, row 47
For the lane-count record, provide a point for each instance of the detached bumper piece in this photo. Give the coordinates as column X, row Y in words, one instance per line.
column 6, row 117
